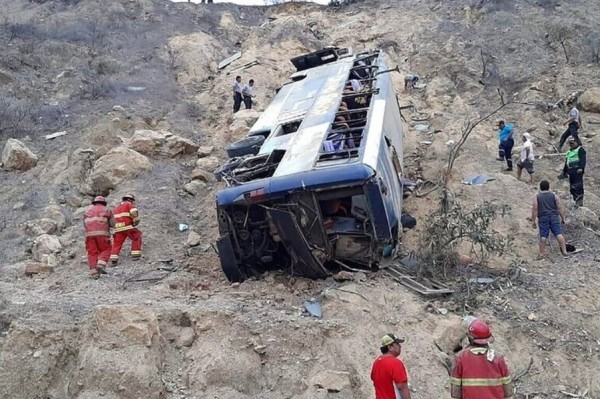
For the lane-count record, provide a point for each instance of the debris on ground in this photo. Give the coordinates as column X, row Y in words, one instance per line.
column 477, row 180
column 313, row 308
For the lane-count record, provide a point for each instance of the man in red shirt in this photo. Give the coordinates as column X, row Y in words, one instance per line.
column 479, row 372
column 388, row 373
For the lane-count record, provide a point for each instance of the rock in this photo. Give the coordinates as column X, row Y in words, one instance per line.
column 16, row 156
column 5, row 77
column 193, row 239
column 590, row 100
column 242, row 122
column 209, row 163
column 74, row 167
column 41, row 226
column 120, row 343
column 586, row 217
column 123, row 325
column 18, row 206
column 332, row 380
column 186, row 337
column 44, row 245
column 450, row 338
column 118, row 108
column 202, row 175
column 538, row 86
column 194, row 187
column 37, row 268
column 204, row 151
column 588, row 134
column 360, row 276
column 73, row 201
column 343, row 276
column 55, row 212
column 118, row 165
column 150, row 142
column 532, row 317
column 181, row 146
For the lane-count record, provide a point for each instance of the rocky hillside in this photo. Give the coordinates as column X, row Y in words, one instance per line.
column 110, row 96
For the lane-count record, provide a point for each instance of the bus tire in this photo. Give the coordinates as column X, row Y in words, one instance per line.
column 246, row 146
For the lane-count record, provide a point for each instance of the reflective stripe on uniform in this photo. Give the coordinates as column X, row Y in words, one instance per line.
column 480, row 382
column 114, row 257
column 96, row 219
column 122, row 215
column 136, row 253
column 97, row 233
column 123, row 228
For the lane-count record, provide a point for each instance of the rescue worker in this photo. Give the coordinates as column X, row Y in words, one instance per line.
column 479, row 371
column 574, row 169
column 127, row 218
column 97, row 221
column 388, row 373
column 505, row 137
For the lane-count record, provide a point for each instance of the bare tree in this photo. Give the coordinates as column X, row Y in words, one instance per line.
column 559, row 34
column 452, row 225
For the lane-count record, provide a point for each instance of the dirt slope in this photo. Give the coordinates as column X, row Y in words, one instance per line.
column 192, row 334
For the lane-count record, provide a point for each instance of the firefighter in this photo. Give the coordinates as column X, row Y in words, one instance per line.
column 478, row 371
column 127, row 218
column 574, row 168
column 97, row 221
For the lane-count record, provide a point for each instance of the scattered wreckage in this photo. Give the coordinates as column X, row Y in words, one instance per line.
column 317, row 183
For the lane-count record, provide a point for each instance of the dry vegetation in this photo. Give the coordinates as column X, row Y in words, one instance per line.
column 67, row 65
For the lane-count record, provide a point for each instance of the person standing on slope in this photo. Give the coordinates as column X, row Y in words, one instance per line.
column 97, row 221
column 127, row 219
column 388, row 373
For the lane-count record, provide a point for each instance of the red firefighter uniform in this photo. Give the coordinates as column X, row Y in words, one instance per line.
column 479, row 373
column 126, row 218
column 97, row 220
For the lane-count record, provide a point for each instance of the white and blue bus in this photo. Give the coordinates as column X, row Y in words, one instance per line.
column 316, row 184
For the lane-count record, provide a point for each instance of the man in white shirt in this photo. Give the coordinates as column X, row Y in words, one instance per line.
column 573, row 123
column 247, row 93
column 526, row 158
column 237, row 94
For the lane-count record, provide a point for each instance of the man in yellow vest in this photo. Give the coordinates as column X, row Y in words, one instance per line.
column 574, row 168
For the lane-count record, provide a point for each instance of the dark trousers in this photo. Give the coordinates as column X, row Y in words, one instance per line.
column 237, row 102
column 248, row 102
column 572, row 130
column 505, row 151
column 576, row 185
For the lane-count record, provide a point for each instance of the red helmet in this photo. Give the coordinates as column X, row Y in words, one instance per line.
column 130, row 196
column 99, row 199
column 479, row 333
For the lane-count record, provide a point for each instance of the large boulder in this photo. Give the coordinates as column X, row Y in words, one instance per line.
column 16, row 156
column 40, row 226
column 45, row 244
column 121, row 343
column 116, row 166
column 73, row 168
column 243, row 120
column 590, row 100
column 151, row 142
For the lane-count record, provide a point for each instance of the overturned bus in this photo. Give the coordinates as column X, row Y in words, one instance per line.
column 316, row 184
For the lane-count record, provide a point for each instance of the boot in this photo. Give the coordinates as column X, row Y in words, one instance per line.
column 579, row 201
